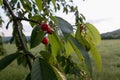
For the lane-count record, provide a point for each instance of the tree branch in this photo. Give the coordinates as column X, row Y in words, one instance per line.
column 22, row 42
column 16, row 20
column 28, row 20
column 6, row 4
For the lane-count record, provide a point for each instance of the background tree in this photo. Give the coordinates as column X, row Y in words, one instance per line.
column 67, row 47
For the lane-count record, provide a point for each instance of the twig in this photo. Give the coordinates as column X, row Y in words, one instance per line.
column 28, row 20
column 6, row 4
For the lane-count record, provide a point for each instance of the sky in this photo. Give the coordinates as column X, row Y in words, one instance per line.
column 103, row 14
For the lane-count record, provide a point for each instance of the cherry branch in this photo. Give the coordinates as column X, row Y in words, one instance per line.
column 6, row 4
column 15, row 22
column 25, row 19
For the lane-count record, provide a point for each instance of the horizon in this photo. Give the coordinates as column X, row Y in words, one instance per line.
column 100, row 33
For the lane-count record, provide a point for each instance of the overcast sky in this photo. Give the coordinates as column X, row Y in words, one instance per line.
column 104, row 14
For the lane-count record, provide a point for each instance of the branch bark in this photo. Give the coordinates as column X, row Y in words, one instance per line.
column 15, row 22
column 25, row 19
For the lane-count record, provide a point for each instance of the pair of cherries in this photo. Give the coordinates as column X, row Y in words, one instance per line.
column 45, row 27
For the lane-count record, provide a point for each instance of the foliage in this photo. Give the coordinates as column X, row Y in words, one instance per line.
column 68, row 50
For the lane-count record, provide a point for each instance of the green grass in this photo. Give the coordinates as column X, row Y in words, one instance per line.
column 14, row 71
column 110, row 53
column 109, row 50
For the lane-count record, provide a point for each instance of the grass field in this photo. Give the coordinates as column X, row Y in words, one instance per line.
column 109, row 50
column 110, row 53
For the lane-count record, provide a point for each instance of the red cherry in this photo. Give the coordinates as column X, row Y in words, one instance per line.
column 50, row 30
column 44, row 26
column 45, row 40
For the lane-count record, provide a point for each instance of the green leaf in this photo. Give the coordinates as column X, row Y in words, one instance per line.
column 54, row 4
column 1, row 2
column 39, row 4
column 54, row 18
column 37, row 18
column 60, row 75
column 46, row 55
column 65, row 10
column 56, row 45
column 93, row 33
column 66, row 27
column 36, row 37
column 69, row 49
column 88, row 44
column 82, row 39
column 4, row 62
column 25, row 4
column 83, row 16
column 82, row 54
column 41, row 70
column 96, row 56
column 21, row 60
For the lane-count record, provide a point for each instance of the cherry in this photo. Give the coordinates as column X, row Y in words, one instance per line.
column 47, row 28
column 50, row 30
column 45, row 40
column 44, row 26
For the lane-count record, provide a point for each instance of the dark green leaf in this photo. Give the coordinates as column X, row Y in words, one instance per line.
column 18, row 5
column 58, row 6
column 41, row 70
column 36, row 18
column 93, row 34
column 80, row 50
column 65, row 9
column 54, row 4
column 36, row 37
column 66, row 27
column 28, row 77
column 12, row 39
column 83, row 16
column 54, row 19
column 26, row 5
column 21, row 60
column 39, row 4
column 4, row 62
column 46, row 55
